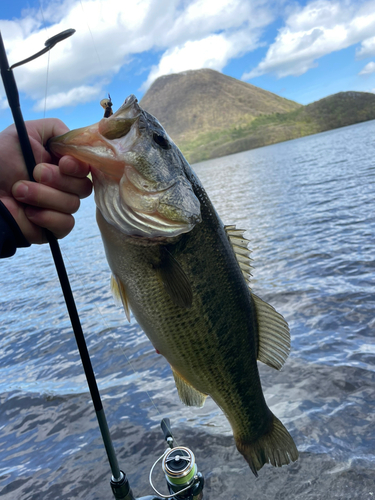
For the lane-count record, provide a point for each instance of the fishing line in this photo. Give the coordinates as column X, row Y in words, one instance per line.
column 119, row 483
column 108, row 327
column 42, row 13
column 46, row 88
column 92, row 37
column 105, row 324
column 45, row 107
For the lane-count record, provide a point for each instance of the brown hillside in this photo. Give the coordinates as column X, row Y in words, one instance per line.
column 201, row 101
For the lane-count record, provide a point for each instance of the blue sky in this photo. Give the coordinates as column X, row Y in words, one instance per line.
column 301, row 50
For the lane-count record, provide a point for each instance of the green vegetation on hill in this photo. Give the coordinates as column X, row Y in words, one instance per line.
column 209, row 114
column 261, row 131
column 339, row 110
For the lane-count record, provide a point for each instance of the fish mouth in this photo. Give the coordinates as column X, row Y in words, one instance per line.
column 104, row 143
column 88, row 145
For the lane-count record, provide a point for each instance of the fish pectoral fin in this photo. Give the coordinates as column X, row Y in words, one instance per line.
column 174, row 279
column 188, row 395
column 240, row 247
column 119, row 293
column 274, row 336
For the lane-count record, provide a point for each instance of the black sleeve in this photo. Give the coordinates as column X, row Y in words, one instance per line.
column 11, row 236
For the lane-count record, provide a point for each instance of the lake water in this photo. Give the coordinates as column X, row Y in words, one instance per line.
column 309, row 209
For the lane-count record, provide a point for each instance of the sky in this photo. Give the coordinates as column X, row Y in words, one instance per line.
column 300, row 50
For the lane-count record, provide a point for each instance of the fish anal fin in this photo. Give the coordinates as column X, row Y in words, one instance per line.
column 240, row 247
column 174, row 279
column 188, row 395
column 275, row 447
column 119, row 293
column 274, row 336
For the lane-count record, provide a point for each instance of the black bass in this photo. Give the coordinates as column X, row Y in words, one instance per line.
column 184, row 275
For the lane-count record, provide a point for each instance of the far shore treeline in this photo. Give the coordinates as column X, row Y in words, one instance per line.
column 209, row 114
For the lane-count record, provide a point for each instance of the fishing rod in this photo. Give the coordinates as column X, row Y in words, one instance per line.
column 118, row 477
column 183, row 480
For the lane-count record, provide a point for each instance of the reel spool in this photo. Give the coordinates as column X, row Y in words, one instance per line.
column 179, row 467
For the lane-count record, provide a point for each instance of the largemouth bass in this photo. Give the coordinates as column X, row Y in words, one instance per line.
column 184, row 275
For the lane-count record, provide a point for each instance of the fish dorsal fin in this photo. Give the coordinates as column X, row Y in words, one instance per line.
column 119, row 293
column 240, row 246
column 274, row 336
column 174, row 279
column 188, row 395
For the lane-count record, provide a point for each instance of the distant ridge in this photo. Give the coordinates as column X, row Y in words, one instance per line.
column 209, row 114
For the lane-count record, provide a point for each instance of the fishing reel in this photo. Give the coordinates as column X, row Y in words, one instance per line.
column 184, row 482
column 180, row 470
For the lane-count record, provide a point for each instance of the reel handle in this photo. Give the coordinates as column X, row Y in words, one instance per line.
column 167, row 431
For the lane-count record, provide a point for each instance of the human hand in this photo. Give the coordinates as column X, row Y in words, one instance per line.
column 50, row 201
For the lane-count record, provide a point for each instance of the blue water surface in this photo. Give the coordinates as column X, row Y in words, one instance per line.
column 309, row 211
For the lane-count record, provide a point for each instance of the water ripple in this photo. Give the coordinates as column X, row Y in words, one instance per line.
column 308, row 208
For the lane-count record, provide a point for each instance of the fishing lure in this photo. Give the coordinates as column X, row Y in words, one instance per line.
column 107, row 105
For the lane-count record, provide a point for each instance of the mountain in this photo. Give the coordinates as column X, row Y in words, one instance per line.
column 194, row 102
column 209, row 114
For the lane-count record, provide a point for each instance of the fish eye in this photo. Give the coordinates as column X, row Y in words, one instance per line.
column 161, row 141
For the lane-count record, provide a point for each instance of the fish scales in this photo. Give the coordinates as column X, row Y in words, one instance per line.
column 198, row 342
column 175, row 267
column 201, row 321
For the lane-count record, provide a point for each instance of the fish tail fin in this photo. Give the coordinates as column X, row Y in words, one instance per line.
column 275, row 447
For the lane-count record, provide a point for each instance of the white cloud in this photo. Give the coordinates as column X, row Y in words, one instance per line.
column 368, row 69
column 211, row 52
column 109, row 33
column 310, row 32
column 239, row 22
column 190, row 34
column 204, row 17
column 367, row 48
column 78, row 95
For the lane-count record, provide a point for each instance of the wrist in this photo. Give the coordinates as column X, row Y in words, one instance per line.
column 11, row 236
